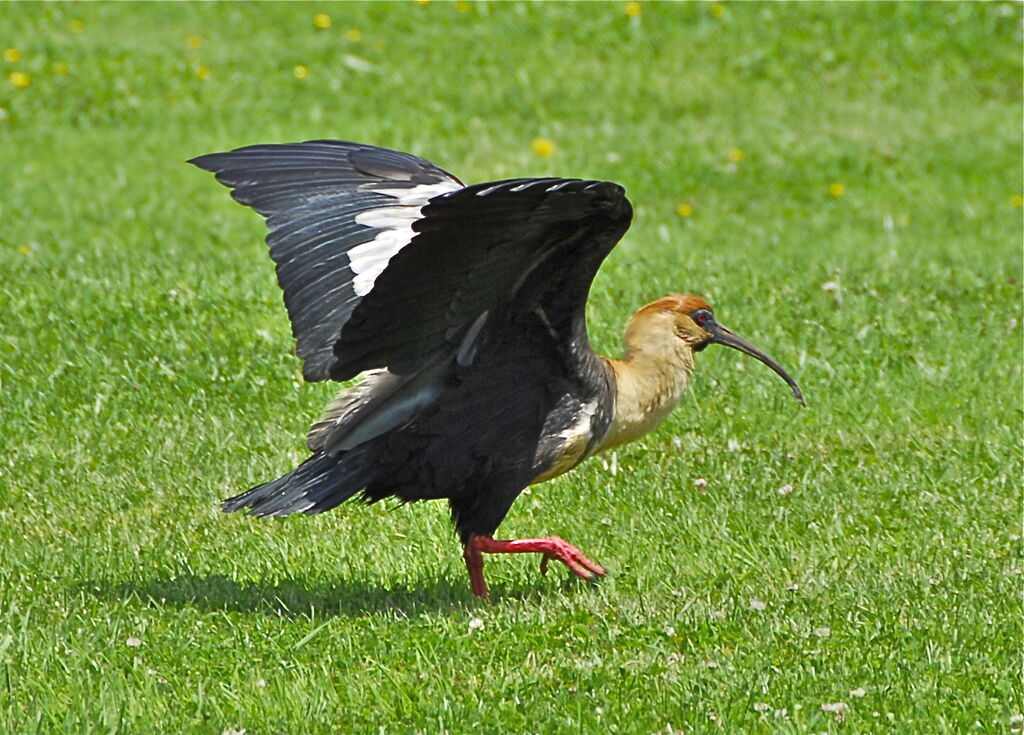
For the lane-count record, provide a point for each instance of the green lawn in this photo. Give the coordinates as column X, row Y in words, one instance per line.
column 853, row 180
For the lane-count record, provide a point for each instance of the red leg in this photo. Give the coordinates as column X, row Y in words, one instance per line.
column 475, row 565
column 551, row 547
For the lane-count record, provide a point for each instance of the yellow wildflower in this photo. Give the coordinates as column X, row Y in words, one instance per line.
column 322, row 21
column 836, row 189
column 300, row 72
column 542, row 147
column 19, row 79
column 202, row 72
column 194, row 42
column 462, row 6
column 60, row 68
column 735, row 155
column 633, row 9
column 354, row 35
column 422, row 2
column 717, row 10
column 1017, row 201
column 685, row 209
column 12, row 55
column 76, row 26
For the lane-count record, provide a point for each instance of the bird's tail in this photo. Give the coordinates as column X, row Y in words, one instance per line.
column 318, row 484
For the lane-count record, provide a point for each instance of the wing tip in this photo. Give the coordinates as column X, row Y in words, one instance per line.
column 203, row 161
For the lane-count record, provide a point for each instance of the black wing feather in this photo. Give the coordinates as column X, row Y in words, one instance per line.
column 310, row 193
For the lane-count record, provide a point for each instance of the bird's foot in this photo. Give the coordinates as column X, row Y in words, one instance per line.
column 551, row 547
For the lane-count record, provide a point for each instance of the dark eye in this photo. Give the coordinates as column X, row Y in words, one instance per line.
column 701, row 316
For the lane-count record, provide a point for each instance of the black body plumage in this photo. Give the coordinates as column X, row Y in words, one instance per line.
column 463, row 305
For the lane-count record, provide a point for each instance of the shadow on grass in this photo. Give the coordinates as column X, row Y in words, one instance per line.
column 295, row 598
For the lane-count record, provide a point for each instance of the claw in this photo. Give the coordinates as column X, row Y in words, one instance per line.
column 551, row 547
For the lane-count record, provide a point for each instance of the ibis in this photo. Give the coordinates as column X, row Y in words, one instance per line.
column 463, row 309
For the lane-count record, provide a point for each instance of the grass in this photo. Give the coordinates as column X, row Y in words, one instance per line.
column 145, row 372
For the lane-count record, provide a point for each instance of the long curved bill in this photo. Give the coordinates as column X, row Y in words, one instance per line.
column 722, row 336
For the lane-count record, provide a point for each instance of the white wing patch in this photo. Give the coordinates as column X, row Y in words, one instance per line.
column 371, row 258
column 395, row 221
column 419, row 195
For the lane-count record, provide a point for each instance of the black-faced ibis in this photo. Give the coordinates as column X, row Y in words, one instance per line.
column 463, row 308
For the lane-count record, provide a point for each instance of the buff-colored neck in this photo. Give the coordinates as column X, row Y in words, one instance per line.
column 649, row 380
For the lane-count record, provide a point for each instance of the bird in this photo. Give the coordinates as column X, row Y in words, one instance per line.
column 462, row 308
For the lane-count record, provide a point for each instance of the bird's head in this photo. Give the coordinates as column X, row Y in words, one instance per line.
column 690, row 320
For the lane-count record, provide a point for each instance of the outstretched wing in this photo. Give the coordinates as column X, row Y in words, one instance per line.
column 387, row 261
column 482, row 256
column 337, row 212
